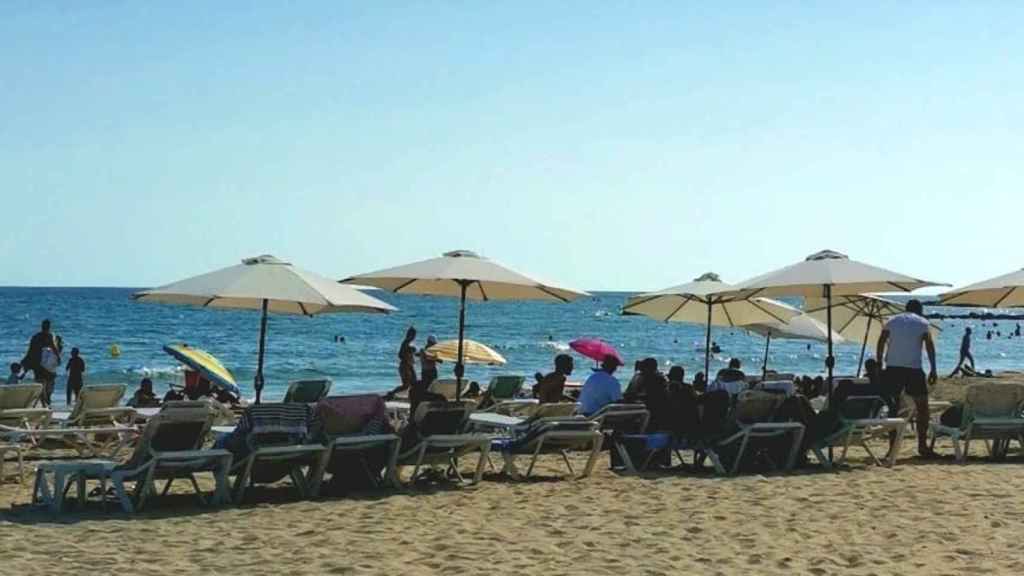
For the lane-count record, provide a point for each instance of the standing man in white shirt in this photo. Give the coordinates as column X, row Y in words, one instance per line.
column 899, row 350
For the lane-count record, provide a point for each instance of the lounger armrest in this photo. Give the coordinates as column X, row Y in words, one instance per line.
column 359, row 441
column 192, row 454
column 456, row 440
column 287, row 450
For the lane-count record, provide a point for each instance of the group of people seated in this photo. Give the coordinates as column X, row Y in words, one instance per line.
column 196, row 387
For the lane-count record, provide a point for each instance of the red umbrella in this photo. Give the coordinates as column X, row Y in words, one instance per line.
column 595, row 349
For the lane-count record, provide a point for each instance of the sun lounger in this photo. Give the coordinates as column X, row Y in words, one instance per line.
column 505, row 387
column 308, row 391
column 556, row 435
column 445, row 387
column 436, row 436
column 756, row 432
column 170, row 448
column 860, row 422
column 358, row 434
column 16, row 406
column 99, row 405
column 624, row 427
column 991, row 412
column 273, row 441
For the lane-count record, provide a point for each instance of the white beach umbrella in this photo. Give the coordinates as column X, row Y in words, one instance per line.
column 858, row 317
column 1006, row 291
column 828, row 274
column 466, row 276
column 703, row 301
column 799, row 327
column 267, row 284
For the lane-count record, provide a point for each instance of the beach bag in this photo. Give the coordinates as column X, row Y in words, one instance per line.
column 49, row 360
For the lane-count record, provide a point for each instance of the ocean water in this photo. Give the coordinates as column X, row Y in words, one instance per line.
column 528, row 334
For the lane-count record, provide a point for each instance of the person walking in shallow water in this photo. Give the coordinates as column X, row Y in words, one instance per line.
column 965, row 353
column 43, row 359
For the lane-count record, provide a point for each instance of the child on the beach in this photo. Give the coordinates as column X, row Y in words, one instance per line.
column 15, row 375
column 75, row 368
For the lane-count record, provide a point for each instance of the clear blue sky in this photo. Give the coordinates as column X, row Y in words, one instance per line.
column 600, row 146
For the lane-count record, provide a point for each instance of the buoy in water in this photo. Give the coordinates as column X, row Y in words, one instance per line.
column 115, row 351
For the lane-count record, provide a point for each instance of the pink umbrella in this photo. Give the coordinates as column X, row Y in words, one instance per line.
column 595, row 349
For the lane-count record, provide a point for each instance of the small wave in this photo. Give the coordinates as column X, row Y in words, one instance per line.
column 161, row 371
column 561, row 346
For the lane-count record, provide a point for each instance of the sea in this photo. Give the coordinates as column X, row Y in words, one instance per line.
column 359, row 351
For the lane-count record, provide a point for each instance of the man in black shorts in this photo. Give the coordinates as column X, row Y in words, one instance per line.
column 899, row 347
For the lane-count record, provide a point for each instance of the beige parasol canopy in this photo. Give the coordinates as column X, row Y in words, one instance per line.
column 267, row 284
column 828, row 274
column 1006, row 291
column 465, row 275
column 704, row 301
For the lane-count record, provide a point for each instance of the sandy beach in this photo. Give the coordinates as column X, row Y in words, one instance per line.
column 923, row 517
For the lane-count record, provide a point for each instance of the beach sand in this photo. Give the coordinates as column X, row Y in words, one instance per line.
column 933, row 517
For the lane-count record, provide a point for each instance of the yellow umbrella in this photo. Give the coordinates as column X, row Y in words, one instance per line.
column 473, row 352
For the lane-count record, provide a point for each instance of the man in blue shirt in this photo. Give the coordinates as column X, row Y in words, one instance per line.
column 601, row 388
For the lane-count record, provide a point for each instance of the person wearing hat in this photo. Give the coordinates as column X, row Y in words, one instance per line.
column 601, row 388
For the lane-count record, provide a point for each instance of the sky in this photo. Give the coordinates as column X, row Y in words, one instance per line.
column 626, row 146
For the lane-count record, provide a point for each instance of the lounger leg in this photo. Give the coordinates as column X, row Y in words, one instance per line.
column 739, row 455
column 223, row 493
column 620, row 448
column 122, row 494
column 485, row 450
column 396, row 446
column 510, row 465
column 419, row 461
column 794, row 451
column 595, row 452
column 536, row 454
column 716, row 461
column 565, row 456
column 243, row 479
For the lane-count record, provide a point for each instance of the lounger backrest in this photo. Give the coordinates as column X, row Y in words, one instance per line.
column 276, row 424
column 176, row 429
column 445, row 387
column 756, row 406
column 784, row 386
column 505, row 387
column 860, row 407
column 441, row 417
column 19, row 396
column 309, row 391
column 993, row 400
column 97, row 397
column 355, row 414
column 548, row 425
column 622, row 418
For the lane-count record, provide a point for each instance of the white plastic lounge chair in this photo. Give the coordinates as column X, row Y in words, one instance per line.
column 170, row 448
column 436, row 436
column 625, row 425
column 309, row 391
column 274, row 440
column 99, row 405
column 551, row 436
column 16, row 401
column 991, row 412
column 752, row 413
column 445, row 387
column 859, row 423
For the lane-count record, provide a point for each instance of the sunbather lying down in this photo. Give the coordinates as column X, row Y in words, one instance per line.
column 966, row 371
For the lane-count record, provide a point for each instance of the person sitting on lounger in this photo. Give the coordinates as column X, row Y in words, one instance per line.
column 550, row 388
column 144, row 396
column 651, row 389
column 601, row 388
column 730, row 379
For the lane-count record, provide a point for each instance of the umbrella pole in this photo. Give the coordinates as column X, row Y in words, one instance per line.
column 764, row 367
column 830, row 360
column 707, row 348
column 864, row 346
column 459, row 366
column 258, row 382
